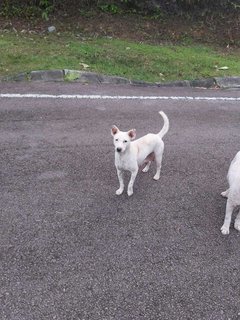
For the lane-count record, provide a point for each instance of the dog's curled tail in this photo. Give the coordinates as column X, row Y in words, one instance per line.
column 165, row 125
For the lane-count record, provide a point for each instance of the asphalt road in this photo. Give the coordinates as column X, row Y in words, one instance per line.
column 71, row 249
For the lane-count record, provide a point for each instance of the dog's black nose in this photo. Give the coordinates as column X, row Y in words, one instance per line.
column 119, row 149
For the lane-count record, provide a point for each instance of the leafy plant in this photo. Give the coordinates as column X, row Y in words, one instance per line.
column 47, row 8
column 110, row 8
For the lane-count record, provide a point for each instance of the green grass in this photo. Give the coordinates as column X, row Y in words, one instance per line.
column 23, row 53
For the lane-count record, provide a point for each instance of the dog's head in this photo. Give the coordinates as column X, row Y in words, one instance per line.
column 122, row 139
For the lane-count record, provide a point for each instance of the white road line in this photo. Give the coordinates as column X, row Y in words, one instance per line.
column 106, row 97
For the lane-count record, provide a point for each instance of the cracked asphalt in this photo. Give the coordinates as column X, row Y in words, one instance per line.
column 70, row 249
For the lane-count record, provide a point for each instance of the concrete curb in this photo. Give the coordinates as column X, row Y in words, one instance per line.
column 96, row 78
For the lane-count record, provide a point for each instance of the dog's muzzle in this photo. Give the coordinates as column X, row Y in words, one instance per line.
column 119, row 149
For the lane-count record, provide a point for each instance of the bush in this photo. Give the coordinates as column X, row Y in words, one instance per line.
column 185, row 6
column 45, row 7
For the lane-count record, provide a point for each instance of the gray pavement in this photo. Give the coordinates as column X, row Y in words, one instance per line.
column 71, row 249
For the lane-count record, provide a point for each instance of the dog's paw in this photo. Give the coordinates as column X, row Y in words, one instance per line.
column 156, row 177
column 130, row 192
column 145, row 169
column 237, row 225
column 224, row 230
column 119, row 191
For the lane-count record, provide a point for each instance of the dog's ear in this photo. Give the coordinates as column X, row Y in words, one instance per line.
column 132, row 134
column 114, row 130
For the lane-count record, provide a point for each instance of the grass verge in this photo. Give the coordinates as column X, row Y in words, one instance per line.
column 24, row 52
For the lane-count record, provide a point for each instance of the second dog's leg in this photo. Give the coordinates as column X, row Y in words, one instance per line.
column 237, row 222
column 120, row 178
column 131, row 182
column 227, row 220
column 225, row 193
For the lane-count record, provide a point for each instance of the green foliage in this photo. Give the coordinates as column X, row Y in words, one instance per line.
column 46, row 8
column 27, row 9
column 110, row 8
column 9, row 8
column 187, row 5
column 154, row 7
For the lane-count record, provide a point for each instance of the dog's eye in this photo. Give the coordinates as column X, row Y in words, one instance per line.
column 125, row 141
column 116, row 139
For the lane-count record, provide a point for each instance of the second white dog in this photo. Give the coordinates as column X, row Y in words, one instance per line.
column 129, row 155
column 233, row 194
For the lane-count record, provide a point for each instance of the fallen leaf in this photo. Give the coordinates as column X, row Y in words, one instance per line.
column 84, row 65
column 223, row 68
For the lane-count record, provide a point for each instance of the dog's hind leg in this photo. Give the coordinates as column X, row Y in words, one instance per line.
column 148, row 161
column 146, row 168
column 227, row 219
column 237, row 222
column 158, row 158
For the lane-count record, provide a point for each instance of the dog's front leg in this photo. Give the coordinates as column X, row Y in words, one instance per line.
column 131, row 182
column 120, row 178
column 228, row 216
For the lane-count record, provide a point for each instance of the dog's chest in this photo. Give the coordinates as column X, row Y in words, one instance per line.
column 125, row 162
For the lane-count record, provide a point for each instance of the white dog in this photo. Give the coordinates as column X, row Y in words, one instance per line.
column 129, row 155
column 233, row 194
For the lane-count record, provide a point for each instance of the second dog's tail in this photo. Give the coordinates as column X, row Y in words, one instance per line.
column 165, row 125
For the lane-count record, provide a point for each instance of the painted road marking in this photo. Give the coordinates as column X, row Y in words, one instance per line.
column 106, row 97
